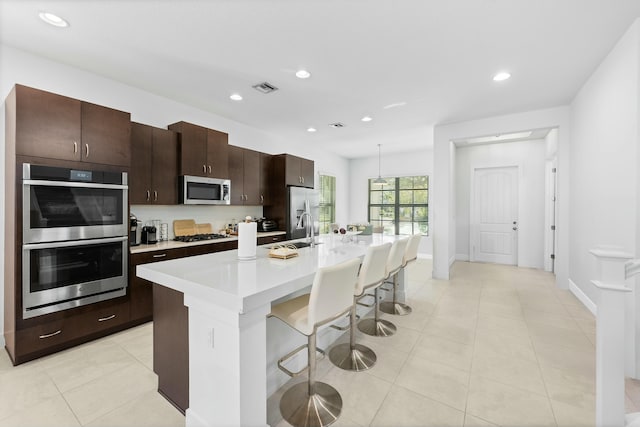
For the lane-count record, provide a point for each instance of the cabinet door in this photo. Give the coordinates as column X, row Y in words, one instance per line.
column 236, row 174
column 140, row 175
column 292, row 170
column 263, row 187
column 164, row 182
column 252, row 178
column 193, row 148
column 47, row 125
column 140, row 290
column 217, row 154
column 106, row 135
column 307, row 173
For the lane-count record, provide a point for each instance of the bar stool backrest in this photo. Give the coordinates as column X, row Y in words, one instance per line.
column 394, row 261
column 332, row 292
column 411, row 253
column 373, row 267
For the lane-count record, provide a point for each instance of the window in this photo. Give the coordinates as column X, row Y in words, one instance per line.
column 401, row 206
column 327, row 212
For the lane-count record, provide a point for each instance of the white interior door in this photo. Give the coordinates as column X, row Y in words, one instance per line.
column 494, row 215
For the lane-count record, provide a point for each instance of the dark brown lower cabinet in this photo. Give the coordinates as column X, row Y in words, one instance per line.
column 171, row 335
column 171, row 345
column 66, row 329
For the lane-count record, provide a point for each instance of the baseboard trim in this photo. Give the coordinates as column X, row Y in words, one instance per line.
column 584, row 299
column 452, row 260
column 462, row 257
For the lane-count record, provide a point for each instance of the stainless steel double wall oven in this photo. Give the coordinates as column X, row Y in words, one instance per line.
column 75, row 231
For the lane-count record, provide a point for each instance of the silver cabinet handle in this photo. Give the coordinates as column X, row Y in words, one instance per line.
column 75, row 147
column 155, row 195
column 261, row 198
column 209, row 169
column 148, row 195
column 104, row 319
column 160, row 256
column 86, row 146
column 204, row 168
column 52, row 334
column 303, row 179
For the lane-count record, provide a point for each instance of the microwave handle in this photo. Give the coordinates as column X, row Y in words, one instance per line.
column 67, row 244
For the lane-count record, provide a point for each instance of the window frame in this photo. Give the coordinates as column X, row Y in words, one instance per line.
column 325, row 226
column 397, row 205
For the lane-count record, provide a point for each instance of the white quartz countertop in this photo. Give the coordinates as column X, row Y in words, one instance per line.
column 241, row 286
column 172, row 244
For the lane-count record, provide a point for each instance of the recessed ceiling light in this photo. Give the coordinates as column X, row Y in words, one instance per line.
column 501, row 76
column 366, row 119
column 394, row 105
column 311, row 129
column 303, row 74
column 236, row 97
column 53, row 19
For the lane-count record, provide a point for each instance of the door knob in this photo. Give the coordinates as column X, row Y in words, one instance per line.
column 515, row 228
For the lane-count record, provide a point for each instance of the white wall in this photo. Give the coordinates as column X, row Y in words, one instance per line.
column 444, row 188
column 529, row 156
column 604, row 175
column 604, row 161
column 20, row 67
column 399, row 164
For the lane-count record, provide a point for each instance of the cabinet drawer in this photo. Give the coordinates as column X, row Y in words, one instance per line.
column 271, row 239
column 100, row 319
column 41, row 337
column 156, row 256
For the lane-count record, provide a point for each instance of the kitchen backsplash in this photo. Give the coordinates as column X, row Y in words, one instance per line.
column 217, row 216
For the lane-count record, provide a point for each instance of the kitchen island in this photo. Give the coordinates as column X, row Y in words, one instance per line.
column 228, row 301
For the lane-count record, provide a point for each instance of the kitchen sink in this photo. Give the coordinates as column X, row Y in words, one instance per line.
column 301, row 244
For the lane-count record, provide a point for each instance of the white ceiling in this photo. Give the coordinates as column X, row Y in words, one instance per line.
column 438, row 56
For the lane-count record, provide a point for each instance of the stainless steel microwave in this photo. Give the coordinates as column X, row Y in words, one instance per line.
column 197, row 190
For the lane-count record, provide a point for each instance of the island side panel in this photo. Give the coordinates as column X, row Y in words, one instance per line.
column 227, row 361
column 171, row 345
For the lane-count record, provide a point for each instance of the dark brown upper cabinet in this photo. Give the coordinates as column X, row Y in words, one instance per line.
column 154, row 166
column 58, row 127
column 245, row 175
column 202, row 151
column 298, row 171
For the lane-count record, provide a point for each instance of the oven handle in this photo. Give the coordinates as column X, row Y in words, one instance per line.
column 73, row 184
column 69, row 243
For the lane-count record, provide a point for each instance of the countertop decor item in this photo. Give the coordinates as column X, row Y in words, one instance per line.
column 283, row 251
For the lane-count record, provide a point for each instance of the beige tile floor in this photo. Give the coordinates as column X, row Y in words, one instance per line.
column 495, row 345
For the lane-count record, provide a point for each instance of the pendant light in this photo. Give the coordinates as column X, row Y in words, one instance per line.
column 379, row 180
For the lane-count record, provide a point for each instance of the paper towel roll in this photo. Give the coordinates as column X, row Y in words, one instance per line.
column 247, row 240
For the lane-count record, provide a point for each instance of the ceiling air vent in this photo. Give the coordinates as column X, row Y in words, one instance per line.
column 336, row 125
column 265, row 87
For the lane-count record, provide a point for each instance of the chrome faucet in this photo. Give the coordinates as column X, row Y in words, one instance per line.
column 308, row 225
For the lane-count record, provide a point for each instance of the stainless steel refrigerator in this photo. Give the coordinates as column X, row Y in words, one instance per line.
column 300, row 199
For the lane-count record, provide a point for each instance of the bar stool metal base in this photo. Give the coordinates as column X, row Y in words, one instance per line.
column 360, row 358
column 318, row 410
column 380, row 328
column 396, row 308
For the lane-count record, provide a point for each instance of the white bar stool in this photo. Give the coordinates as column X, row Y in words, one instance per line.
column 410, row 255
column 316, row 403
column 375, row 326
column 357, row 357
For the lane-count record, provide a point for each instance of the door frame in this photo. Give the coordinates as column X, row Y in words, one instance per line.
column 472, row 204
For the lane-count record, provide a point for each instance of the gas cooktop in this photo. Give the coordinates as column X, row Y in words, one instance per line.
column 198, row 237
